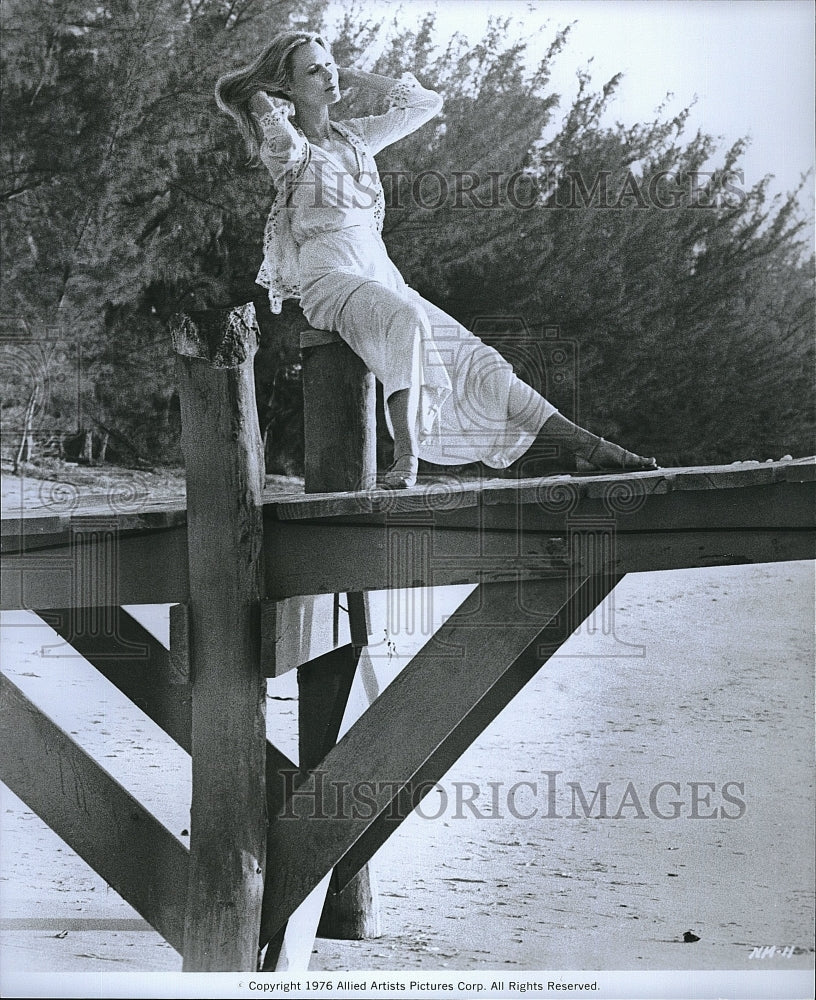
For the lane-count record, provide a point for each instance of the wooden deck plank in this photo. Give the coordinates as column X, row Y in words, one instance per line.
column 463, row 676
column 151, row 566
column 46, row 529
column 788, row 504
column 438, row 497
column 93, row 813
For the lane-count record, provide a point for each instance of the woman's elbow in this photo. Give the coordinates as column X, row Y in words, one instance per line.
column 430, row 103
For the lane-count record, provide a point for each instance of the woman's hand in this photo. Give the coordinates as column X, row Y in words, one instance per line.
column 261, row 103
column 347, row 78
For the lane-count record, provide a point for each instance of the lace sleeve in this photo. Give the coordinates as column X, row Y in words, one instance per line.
column 282, row 146
column 410, row 106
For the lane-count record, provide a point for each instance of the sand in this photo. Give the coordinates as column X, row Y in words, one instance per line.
column 706, row 683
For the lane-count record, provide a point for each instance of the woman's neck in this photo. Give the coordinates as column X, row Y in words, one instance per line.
column 314, row 123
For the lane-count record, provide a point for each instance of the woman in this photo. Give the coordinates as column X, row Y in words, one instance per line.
column 450, row 398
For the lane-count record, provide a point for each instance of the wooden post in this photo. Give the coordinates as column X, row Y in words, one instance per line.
column 225, row 478
column 350, row 914
column 339, row 419
column 339, row 416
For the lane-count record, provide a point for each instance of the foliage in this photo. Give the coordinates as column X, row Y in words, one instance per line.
column 127, row 197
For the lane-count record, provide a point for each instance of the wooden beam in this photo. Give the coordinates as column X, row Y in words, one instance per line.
column 324, row 708
column 456, row 682
column 586, row 597
column 313, row 557
column 783, row 504
column 179, row 652
column 340, row 443
column 150, row 567
column 351, row 912
column 755, row 500
column 339, row 415
column 93, row 813
column 134, row 661
column 359, row 616
column 29, row 530
column 34, row 530
column 138, row 665
column 548, row 492
column 325, row 558
column 223, row 458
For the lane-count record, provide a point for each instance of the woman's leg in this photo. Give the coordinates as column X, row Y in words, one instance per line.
column 402, row 408
column 596, row 452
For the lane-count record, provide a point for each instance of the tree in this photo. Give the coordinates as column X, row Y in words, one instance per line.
column 689, row 298
column 127, row 197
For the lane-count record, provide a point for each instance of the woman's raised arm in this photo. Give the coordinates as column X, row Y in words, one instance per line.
column 411, row 106
column 282, row 146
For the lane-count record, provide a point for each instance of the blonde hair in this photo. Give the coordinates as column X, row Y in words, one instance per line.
column 271, row 72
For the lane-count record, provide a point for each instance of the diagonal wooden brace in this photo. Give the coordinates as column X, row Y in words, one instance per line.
column 458, row 682
column 137, row 664
column 93, row 814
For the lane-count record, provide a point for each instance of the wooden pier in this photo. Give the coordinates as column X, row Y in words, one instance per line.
column 236, row 561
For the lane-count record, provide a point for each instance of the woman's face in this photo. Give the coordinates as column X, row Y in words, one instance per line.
column 313, row 79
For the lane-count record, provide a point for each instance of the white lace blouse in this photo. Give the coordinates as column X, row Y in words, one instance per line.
column 288, row 155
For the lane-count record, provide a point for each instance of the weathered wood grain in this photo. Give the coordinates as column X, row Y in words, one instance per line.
column 340, row 554
column 93, row 813
column 351, row 912
column 36, row 529
column 463, row 676
column 320, row 557
column 339, row 416
column 224, row 472
column 139, row 666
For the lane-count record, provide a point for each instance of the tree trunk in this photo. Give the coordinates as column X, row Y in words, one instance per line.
column 25, row 452
column 87, row 448
column 103, row 448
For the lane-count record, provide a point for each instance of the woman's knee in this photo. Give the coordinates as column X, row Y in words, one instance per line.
column 408, row 317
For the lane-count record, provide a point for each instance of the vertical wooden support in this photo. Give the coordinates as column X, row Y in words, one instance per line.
column 339, row 420
column 351, row 914
column 225, row 477
column 339, row 416
column 359, row 618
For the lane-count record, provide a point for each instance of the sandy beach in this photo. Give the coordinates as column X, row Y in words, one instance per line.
column 700, row 704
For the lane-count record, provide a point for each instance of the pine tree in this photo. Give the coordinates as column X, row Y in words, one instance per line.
column 127, row 197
